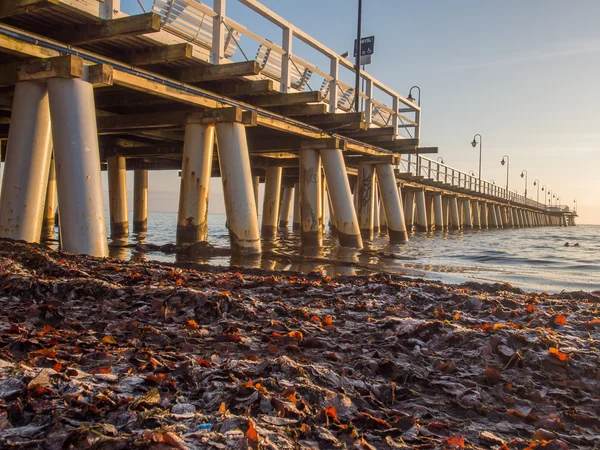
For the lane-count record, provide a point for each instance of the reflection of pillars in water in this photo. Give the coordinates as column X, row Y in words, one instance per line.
column 234, row 161
column 77, row 159
column 476, row 215
column 310, row 197
column 196, row 167
column 409, row 210
column 345, row 214
column 286, row 206
column 454, row 212
column 365, row 199
column 118, row 248
column 467, row 213
column 270, row 213
column 27, row 164
column 440, row 224
column 255, row 186
column 392, row 203
column 140, row 201
column 297, row 219
column 421, row 211
column 117, row 196
column 50, row 205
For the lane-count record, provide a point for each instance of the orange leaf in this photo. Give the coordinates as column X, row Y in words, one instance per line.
column 296, row 335
column 292, row 398
column 560, row 320
column 498, row 326
column 456, row 441
column 530, row 308
column 315, row 319
column 192, row 324
column 47, row 329
column 222, row 408
column 331, row 412
column 251, row 434
column 179, row 282
column 492, row 373
column 456, row 316
column 560, row 355
column 109, row 340
column 204, row 363
column 328, row 321
column 58, row 367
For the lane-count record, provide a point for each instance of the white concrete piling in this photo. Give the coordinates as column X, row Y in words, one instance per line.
column 117, row 196
column 310, row 197
column 392, row 203
column 500, row 219
column 421, row 211
column 493, row 219
column 456, row 224
column 255, row 186
column 271, row 202
column 296, row 219
column 376, row 210
column 341, row 198
column 50, row 204
column 365, row 199
column 409, row 210
column 440, row 224
column 285, row 209
column 240, row 206
column 476, row 214
column 140, row 201
column 27, row 164
column 77, row 159
column 483, row 214
column 467, row 214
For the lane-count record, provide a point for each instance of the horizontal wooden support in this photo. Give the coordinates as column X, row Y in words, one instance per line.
column 15, row 7
column 141, row 152
column 371, row 132
column 299, row 98
column 216, row 115
column 300, row 110
column 293, row 143
column 109, row 29
column 427, row 150
column 384, row 159
column 160, row 55
column 218, row 72
column 335, row 119
column 68, row 66
column 100, row 75
column 236, row 88
column 401, row 145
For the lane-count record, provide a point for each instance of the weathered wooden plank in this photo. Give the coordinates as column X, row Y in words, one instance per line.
column 294, row 143
column 218, row 72
column 371, row 132
column 401, row 144
column 14, row 7
column 297, row 98
column 68, row 66
column 23, row 49
column 112, row 124
column 236, row 88
column 300, row 110
column 335, row 119
column 160, row 55
column 109, row 29
column 100, row 75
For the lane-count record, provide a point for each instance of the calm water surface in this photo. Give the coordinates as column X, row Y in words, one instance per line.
column 530, row 258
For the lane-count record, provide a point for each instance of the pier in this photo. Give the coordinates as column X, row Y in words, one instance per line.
column 86, row 88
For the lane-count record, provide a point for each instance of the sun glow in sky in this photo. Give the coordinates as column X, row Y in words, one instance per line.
column 522, row 74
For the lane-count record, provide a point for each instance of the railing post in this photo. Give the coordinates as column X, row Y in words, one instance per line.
column 409, row 158
column 369, row 102
column 333, row 94
column 418, row 122
column 218, row 38
column 286, row 61
column 446, row 175
column 429, row 170
column 395, row 118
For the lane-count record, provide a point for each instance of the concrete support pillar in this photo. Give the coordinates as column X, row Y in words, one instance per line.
column 196, row 168
column 376, row 210
column 117, row 196
column 514, row 218
column 500, row 219
column 341, row 198
column 476, row 215
column 310, row 197
column 392, row 203
column 454, row 213
column 382, row 218
column 431, row 224
column 50, row 204
column 286, row 206
column 270, row 213
column 240, row 206
column 77, row 159
column 331, row 211
column 521, row 218
column 446, row 212
column 440, row 224
column 297, row 207
column 140, row 201
column 493, row 218
column 409, row 210
column 255, row 186
column 421, row 211
column 323, row 200
column 483, row 214
column 467, row 214
column 27, row 164
column 365, row 199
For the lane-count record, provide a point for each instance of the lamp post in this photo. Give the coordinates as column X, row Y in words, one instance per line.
column 545, row 191
column 506, row 160
column 440, row 159
column 474, row 144
column 537, row 183
column 358, row 58
column 524, row 174
column 411, row 98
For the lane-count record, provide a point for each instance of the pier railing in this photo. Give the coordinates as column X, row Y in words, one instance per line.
column 447, row 176
column 211, row 28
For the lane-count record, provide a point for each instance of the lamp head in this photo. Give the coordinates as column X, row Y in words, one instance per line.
column 503, row 161
column 543, row 189
column 410, row 97
column 474, row 143
column 522, row 175
column 535, row 183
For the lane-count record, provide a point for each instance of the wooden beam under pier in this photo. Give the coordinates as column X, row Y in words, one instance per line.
column 298, row 98
column 237, row 88
column 15, row 7
column 220, row 72
column 300, row 110
column 160, row 55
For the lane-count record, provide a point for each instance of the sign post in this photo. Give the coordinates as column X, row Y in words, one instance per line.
column 367, row 48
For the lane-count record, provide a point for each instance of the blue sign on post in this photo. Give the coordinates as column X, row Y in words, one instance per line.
column 367, row 46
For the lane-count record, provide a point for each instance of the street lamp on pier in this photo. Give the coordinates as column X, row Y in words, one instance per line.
column 411, row 98
column 506, row 160
column 440, row 159
column 474, row 144
column 545, row 191
column 524, row 174
column 537, row 183
column 358, row 58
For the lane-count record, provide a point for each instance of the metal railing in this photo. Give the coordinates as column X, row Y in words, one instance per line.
column 454, row 179
column 382, row 106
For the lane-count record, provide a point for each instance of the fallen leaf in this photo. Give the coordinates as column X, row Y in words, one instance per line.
column 109, row 340
column 456, row 441
column 560, row 355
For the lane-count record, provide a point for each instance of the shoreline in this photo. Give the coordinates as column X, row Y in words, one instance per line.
column 152, row 355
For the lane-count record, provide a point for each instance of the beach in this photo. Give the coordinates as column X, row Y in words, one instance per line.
column 99, row 353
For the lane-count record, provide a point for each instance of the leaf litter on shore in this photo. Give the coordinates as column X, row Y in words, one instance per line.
column 101, row 354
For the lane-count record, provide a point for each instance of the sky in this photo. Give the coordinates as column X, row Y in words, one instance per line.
column 523, row 74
